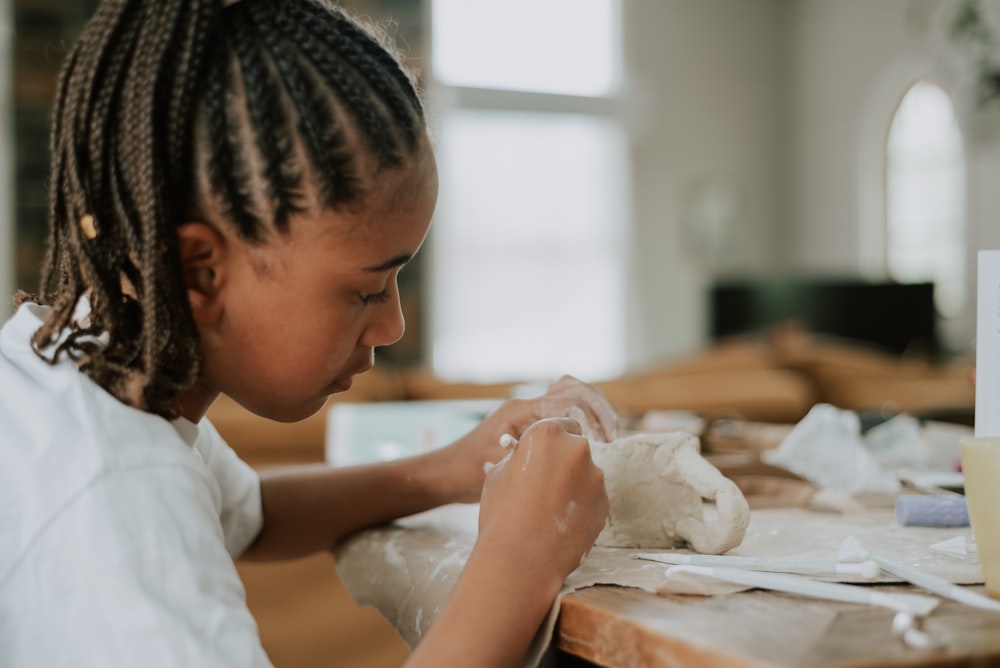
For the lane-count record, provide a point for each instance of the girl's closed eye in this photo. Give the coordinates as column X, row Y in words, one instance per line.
column 374, row 298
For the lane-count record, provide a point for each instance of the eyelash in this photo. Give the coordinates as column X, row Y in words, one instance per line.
column 377, row 298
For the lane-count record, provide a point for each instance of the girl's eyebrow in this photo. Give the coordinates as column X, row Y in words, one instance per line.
column 386, row 266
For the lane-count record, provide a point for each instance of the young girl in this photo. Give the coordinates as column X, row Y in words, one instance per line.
column 233, row 193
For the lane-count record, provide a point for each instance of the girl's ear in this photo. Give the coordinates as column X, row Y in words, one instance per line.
column 203, row 255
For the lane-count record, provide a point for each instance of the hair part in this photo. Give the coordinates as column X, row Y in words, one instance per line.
column 159, row 101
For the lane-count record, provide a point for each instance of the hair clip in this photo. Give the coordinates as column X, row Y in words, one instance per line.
column 88, row 225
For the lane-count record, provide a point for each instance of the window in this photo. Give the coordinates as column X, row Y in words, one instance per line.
column 925, row 232
column 556, row 46
column 530, row 240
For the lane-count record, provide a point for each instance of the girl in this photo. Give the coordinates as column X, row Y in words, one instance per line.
column 234, row 191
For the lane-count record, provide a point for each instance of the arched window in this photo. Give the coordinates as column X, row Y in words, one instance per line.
column 925, row 199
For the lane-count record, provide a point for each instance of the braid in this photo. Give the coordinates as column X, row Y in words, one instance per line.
column 145, row 127
column 226, row 171
column 324, row 137
column 374, row 62
column 164, row 106
column 348, row 86
column 333, row 75
column 263, row 95
column 121, row 133
column 191, row 48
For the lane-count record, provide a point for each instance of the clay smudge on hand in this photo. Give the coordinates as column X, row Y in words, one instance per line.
column 562, row 524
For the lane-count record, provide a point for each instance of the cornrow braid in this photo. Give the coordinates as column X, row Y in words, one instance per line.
column 227, row 171
column 348, row 84
column 164, row 107
column 283, row 179
column 298, row 83
column 376, row 65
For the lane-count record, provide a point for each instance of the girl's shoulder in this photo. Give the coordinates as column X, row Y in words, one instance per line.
column 55, row 413
column 61, row 434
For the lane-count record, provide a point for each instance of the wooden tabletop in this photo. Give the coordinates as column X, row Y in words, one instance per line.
column 616, row 611
column 625, row 627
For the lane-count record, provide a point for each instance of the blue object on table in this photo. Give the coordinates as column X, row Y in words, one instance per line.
column 931, row 510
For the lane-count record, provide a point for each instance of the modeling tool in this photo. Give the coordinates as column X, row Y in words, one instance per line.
column 915, row 604
column 853, row 550
column 868, row 570
column 907, row 627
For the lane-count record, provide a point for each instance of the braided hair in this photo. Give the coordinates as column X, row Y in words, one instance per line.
column 158, row 98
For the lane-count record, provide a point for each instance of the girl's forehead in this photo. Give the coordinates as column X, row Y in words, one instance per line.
column 391, row 222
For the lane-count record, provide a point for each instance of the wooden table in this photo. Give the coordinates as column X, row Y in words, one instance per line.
column 618, row 626
column 411, row 565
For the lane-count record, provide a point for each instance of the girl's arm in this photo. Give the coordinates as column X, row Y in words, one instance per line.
column 541, row 511
column 312, row 508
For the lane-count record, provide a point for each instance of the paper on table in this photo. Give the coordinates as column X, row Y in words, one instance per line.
column 987, row 422
column 406, row 570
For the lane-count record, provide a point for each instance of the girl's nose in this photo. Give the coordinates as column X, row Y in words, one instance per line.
column 387, row 324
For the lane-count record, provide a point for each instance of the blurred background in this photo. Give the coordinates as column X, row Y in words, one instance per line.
column 609, row 165
column 627, row 184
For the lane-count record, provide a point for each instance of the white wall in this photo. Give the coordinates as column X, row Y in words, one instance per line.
column 708, row 73
column 789, row 102
column 852, row 62
column 841, row 54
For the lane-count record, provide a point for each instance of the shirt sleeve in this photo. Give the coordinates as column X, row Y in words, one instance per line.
column 135, row 572
column 241, row 512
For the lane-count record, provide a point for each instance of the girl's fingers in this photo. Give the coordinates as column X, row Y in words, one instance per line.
column 584, row 403
column 604, row 419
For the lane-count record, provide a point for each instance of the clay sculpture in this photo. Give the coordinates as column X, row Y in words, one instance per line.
column 657, row 484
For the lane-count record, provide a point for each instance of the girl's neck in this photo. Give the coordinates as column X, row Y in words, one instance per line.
column 195, row 401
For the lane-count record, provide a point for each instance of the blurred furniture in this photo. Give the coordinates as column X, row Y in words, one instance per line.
column 897, row 318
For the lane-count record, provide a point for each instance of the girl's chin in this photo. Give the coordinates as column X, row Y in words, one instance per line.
column 342, row 385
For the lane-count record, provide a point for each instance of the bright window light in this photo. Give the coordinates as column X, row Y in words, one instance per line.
column 926, row 195
column 532, row 226
column 551, row 46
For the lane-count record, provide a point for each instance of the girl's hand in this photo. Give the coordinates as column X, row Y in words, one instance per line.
column 544, row 504
column 568, row 397
column 542, row 508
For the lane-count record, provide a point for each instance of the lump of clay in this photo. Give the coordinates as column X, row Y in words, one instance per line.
column 656, row 484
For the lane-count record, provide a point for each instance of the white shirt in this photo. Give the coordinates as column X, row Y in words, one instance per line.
column 117, row 528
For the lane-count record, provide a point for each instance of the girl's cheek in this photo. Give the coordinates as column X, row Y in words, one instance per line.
column 339, row 352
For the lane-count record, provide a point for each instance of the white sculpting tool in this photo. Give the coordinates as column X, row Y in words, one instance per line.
column 507, row 442
column 866, row 569
column 852, row 550
column 913, row 604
